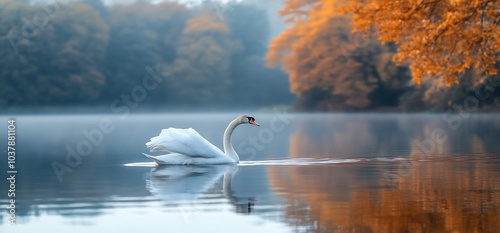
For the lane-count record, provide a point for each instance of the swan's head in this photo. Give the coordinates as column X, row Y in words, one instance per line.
column 246, row 119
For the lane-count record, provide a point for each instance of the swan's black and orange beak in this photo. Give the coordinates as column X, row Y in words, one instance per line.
column 251, row 121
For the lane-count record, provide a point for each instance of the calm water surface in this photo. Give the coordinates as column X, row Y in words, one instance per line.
column 301, row 173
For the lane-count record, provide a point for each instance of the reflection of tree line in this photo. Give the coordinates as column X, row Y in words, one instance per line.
column 348, row 136
column 446, row 193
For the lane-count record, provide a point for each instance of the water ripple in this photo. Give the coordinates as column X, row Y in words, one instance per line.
column 313, row 161
column 292, row 162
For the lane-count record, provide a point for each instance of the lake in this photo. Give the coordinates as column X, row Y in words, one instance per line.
column 299, row 173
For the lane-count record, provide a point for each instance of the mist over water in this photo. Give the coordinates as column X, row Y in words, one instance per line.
column 315, row 174
column 86, row 83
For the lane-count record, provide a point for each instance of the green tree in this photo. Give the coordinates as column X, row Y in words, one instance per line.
column 58, row 54
column 142, row 35
column 251, row 80
column 201, row 69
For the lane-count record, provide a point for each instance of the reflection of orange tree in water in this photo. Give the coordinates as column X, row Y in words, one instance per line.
column 443, row 195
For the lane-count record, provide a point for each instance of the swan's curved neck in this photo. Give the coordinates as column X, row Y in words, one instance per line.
column 228, row 147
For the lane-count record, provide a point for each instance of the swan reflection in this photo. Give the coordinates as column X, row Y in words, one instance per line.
column 189, row 185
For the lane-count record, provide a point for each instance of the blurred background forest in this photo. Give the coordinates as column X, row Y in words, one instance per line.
column 210, row 55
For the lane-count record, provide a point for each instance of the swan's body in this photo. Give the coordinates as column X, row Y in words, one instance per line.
column 186, row 146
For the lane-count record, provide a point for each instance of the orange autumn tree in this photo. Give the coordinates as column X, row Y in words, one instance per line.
column 329, row 67
column 438, row 38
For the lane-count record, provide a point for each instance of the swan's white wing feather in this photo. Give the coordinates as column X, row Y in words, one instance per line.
column 183, row 141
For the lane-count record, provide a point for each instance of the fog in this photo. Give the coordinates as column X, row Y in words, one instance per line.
column 97, row 55
column 94, row 55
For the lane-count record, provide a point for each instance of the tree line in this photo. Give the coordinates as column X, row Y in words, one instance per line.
column 382, row 54
column 334, row 55
column 86, row 53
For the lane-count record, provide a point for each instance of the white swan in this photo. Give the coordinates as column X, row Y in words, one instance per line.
column 186, row 146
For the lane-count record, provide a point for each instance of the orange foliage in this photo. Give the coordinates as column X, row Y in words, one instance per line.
column 438, row 38
column 305, row 43
column 327, row 64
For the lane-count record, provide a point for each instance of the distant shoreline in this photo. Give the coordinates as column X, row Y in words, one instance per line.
column 215, row 109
